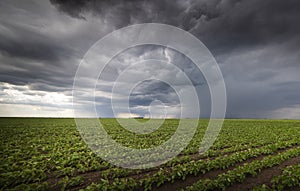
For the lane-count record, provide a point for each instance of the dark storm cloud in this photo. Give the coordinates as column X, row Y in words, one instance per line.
column 256, row 43
column 251, row 23
column 38, row 78
column 221, row 24
column 38, row 46
column 246, row 103
column 157, row 52
column 120, row 12
column 23, row 43
column 29, row 57
column 153, row 90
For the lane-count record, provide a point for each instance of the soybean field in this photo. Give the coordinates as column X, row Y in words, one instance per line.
column 249, row 154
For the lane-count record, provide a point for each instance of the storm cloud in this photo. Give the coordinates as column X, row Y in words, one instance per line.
column 256, row 44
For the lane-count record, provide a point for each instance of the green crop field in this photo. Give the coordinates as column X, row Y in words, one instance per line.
column 49, row 154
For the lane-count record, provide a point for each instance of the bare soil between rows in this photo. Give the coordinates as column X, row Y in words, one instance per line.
column 95, row 176
column 178, row 184
column 191, row 179
column 265, row 176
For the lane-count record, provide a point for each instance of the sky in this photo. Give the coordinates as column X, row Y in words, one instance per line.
column 255, row 43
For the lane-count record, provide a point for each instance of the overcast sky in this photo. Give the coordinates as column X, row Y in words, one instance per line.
column 256, row 44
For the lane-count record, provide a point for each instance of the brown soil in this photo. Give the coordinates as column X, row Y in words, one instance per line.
column 95, row 176
column 190, row 180
column 265, row 176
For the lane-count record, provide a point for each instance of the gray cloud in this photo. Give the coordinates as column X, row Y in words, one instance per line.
column 28, row 44
column 152, row 90
column 35, row 47
column 221, row 24
column 256, row 43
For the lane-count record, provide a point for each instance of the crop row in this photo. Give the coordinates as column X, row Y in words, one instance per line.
column 181, row 171
column 240, row 173
column 251, row 133
column 41, row 151
column 107, row 173
column 188, row 161
column 289, row 178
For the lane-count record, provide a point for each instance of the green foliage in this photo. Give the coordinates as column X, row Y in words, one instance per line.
column 289, row 178
column 239, row 173
column 49, row 154
column 67, row 182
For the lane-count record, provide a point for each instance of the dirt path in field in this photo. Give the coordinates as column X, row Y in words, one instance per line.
column 191, row 179
column 95, row 176
column 264, row 177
